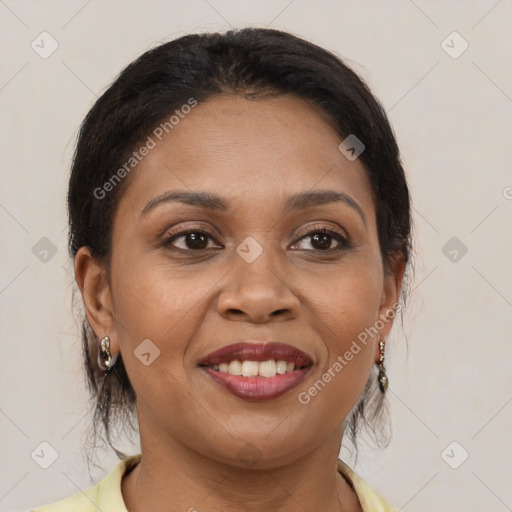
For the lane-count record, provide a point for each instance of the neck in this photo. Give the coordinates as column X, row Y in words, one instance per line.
column 173, row 473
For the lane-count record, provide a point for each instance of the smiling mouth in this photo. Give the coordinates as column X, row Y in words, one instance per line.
column 257, row 371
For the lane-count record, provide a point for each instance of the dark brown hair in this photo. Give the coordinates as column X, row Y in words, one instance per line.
column 252, row 62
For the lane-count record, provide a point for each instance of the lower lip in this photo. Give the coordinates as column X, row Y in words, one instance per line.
column 257, row 388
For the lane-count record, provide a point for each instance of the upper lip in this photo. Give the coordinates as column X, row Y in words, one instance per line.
column 253, row 350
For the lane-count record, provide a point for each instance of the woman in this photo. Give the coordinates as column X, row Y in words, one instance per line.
column 240, row 227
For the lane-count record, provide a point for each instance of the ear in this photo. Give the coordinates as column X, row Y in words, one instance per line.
column 392, row 288
column 92, row 280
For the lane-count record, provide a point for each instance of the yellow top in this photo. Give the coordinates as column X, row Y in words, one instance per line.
column 107, row 497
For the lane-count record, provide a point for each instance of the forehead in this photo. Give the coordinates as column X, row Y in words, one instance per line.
column 248, row 150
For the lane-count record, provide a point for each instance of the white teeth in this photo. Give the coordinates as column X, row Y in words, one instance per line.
column 250, row 368
column 281, row 367
column 235, row 368
column 269, row 368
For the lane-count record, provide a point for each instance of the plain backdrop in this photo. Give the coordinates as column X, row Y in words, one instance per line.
column 442, row 71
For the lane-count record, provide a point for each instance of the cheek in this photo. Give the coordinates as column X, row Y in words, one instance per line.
column 152, row 304
column 348, row 302
column 346, row 310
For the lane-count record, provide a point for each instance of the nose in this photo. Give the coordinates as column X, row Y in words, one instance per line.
column 257, row 293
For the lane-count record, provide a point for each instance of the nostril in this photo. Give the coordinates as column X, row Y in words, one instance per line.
column 235, row 311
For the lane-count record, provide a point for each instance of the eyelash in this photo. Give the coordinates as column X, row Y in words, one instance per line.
column 339, row 237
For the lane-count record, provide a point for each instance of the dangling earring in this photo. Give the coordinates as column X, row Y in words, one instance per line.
column 105, row 354
column 383, row 378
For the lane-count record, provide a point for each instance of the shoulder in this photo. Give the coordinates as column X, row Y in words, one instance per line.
column 82, row 501
column 106, row 495
column 370, row 500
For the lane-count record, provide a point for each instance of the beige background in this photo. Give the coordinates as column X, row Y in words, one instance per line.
column 452, row 117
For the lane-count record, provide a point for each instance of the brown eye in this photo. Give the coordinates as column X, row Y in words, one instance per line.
column 192, row 240
column 321, row 241
column 322, row 238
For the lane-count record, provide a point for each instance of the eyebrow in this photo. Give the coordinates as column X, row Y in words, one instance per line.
column 298, row 201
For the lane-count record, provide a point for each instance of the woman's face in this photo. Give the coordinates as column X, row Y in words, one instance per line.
column 261, row 271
